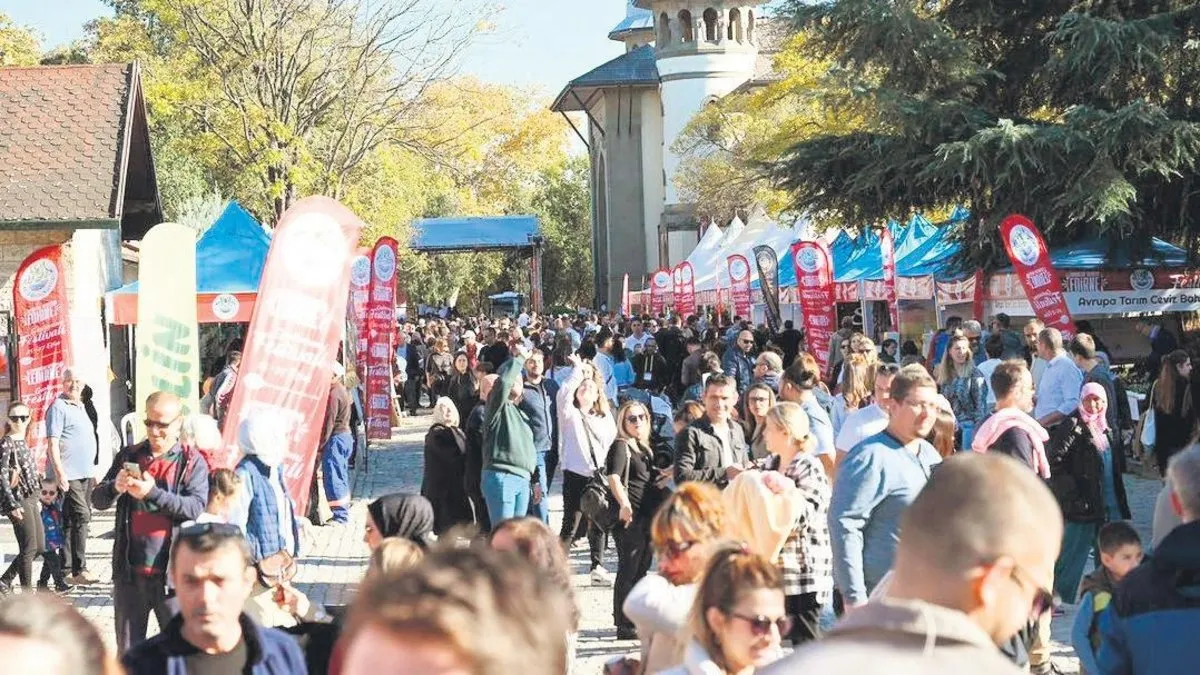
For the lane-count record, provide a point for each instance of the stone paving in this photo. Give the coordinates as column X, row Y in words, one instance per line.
column 334, row 557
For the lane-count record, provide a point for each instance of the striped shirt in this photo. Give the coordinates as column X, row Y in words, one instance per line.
column 806, row 559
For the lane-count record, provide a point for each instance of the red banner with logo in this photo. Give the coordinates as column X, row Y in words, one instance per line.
column 1031, row 259
column 888, row 248
column 660, row 284
column 295, row 332
column 43, row 319
column 360, row 291
column 814, row 282
column 381, row 320
column 685, row 289
column 739, row 284
column 625, row 305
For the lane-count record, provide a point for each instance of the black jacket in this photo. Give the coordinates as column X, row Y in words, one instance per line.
column 271, row 652
column 698, row 452
column 656, row 365
column 1076, row 472
column 444, row 483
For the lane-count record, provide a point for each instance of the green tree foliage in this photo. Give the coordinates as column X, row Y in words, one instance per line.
column 19, row 46
column 563, row 202
column 1079, row 114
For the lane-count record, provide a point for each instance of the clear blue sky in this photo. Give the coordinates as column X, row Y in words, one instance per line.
column 542, row 43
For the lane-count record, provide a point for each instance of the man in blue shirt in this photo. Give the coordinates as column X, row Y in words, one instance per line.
column 877, row 481
column 1058, row 389
column 72, row 464
column 737, row 362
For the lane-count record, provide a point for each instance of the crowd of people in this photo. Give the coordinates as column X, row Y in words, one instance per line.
column 901, row 509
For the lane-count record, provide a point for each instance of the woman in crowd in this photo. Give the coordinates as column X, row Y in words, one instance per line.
column 858, row 379
column 1085, row 476
column 202, row 434
column 710, row 364
column 462, row 387
column 960, row 381
column 806, row 561
column 534, row 541
column 689, row 412
column 586, row 429
column 402, row 515
column 756, row 401
column 439, row 366
column 444, row 482
column 634, row 483
column 1174, row 410
column 738, row 619
column 944, row 429
column 684, row 532
column 889, row 351
column 622, row 366
column 20, row 488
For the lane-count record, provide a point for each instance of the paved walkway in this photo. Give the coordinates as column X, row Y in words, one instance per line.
column 335, row 557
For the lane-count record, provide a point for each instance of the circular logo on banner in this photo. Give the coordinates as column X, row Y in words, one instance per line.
column 685, row 273
column 662, row 278
column 385, row 264
column 1141, row 279
column 738, row 269
column 314, row 243
column 225, row 306
column 360, row 271
column 809, row 259
column 38, row 280
column 678, row 274
column 1024, row 245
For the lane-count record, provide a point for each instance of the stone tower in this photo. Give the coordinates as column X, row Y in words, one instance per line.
column 704, row 50
column 636, row 29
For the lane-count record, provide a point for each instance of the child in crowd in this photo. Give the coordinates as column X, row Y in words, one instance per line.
column 53, row 559
column 1120, row 552
column 224, row 488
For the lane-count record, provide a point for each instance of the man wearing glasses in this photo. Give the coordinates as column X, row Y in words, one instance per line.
column 975, row 563
column 156, row 485
column 738, row 363
column 72, row 460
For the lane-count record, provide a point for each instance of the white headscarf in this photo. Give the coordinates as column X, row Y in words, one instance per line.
column 264, row 436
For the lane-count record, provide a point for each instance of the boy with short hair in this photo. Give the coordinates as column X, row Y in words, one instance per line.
column 1120, row 552
column 53, row 557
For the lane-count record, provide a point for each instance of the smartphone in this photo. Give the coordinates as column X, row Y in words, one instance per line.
column 133, row 469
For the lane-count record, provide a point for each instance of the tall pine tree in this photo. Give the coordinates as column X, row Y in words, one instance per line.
column 1082, row 114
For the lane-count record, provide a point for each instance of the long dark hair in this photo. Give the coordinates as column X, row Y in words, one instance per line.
column 1170, row 382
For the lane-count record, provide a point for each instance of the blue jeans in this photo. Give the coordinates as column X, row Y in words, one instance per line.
column 541, row 510
column 335, row 467
column 506, row 494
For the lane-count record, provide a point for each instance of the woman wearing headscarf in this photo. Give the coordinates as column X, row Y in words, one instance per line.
column 444, row 483
column 401, row 514
column 1085, row 476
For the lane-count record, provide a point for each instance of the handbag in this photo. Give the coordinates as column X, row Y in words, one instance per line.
column 597, row 501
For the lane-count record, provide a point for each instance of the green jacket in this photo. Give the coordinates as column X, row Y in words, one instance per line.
column 507, row 437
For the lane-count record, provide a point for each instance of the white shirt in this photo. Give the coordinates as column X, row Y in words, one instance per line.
column 604, row 365
column 635, row 344
column 986, row 369
column 1059, row 387
column 861, row 424
column 573, row 431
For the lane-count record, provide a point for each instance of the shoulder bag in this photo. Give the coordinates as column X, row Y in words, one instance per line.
column 597, row 501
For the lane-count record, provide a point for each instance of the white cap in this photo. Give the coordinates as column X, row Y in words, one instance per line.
column 338, row 369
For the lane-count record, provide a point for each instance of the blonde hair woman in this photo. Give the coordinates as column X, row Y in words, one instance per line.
column 446, row 468
column 964, row 386
column 392, row 556
column 806, row 560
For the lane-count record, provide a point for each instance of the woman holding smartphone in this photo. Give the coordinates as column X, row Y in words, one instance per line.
column 19, row 492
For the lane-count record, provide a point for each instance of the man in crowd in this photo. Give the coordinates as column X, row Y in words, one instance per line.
column 789, row 340
column 713, row 448
column 408, row 361
column 870, row 420
column 1058, row 390
column 222, row 387
column 650, row 370
column 1037, row 365
column 953, row 323
column 604, row 364
column 538, row 404
column 636, row 339
column 738, row 362
column 1150, row 624
column 838, row 339
column 1013, row 346
column 975, row 561
column 768, row 369
column 1010, row 430
column 878, row 479
column 974, row 332
column 470, row 347
column 1162, row 342
column 337, row 444
column 496, row 352
column 690, row 371
column 993, row 347
column 73, row 456
column 212, row 576
column 168, row 487
column 509, row 458
column 1087, row 359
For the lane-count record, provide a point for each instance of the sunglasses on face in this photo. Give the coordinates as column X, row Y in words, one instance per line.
column 155, row 425
column 18, row 418
column 1043, row 599
column 761, row 625
column 678, row 548
column 746, row 342
column 49, row 493
column 635, row 418
column 217, row 529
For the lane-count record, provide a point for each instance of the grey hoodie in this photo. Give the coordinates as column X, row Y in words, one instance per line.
column 910, row 636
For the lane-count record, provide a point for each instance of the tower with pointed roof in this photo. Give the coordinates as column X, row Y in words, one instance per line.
column 679, row 56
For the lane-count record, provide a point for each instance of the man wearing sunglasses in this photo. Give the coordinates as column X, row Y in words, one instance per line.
column 972, row 568
column 156, row 486
column 738, row 362
column 71, row 462
column 211, row 572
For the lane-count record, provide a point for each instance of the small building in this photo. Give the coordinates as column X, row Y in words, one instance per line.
column 76, row 169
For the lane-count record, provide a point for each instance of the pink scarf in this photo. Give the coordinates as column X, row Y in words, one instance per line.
column 1097, row 423
column 1008, row 418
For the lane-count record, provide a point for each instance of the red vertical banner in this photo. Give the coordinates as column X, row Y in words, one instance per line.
column 660, row 283
column 360, row 290
column 295, row 332
column 381, row 322
column 814, row 283
column 1031, row 259
column 977, row 296
column 739, row 284
column 888, row 247
column 43, row 338
column 685, row 289
column 625, row 307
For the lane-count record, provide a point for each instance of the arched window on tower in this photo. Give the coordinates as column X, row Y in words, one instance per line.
column 750, row 26
column 664, row 31
column 685, row 29
column 710, row 25
column 735, row 25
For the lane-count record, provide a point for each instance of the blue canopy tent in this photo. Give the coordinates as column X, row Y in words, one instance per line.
column 229, row 263
column 522, row 233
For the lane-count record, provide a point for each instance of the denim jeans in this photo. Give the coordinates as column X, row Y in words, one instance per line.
column 541, row 510
column 506, row 494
